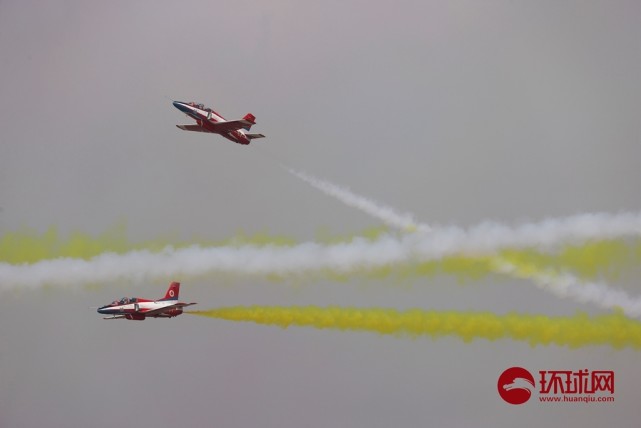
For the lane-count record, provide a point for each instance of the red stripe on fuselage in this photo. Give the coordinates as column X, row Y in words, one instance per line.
column 237, row 137
column 234, row 136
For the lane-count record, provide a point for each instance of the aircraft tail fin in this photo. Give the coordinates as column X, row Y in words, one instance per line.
column 251, row 119
column 172, row 291
column 254, row 136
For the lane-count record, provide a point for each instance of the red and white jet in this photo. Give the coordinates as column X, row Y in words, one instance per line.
column 135, row 308
column 207, row 120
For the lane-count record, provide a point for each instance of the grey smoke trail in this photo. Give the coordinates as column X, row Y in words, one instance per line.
column 561, row 285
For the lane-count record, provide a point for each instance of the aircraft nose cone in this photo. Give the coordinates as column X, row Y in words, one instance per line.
column 181, row 106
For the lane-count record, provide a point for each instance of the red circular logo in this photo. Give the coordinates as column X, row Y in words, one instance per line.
column 516, row 385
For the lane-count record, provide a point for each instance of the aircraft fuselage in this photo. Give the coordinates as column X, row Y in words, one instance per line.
column 136, row 308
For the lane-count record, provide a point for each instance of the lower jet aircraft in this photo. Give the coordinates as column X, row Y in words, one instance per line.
column 207, row 120
column 135, row 308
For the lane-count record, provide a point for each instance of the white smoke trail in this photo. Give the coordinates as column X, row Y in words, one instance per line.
column 193, row 261
column 491, row 235
column 357, row 255
column 562, row 285
column 565, row 285
column 387, row 214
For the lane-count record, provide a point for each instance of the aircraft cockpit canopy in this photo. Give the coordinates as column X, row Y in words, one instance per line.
column 125, row 301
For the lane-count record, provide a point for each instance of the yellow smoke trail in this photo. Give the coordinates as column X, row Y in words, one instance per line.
column 614, row 330
column 597, row 260
column 29, row 246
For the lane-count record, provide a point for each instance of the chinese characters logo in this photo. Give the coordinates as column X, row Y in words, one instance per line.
column 516, row 386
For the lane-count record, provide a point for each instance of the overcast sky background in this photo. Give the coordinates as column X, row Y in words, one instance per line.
column 456, row 111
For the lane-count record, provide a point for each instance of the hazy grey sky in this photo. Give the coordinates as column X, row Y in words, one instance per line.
column 455, row 111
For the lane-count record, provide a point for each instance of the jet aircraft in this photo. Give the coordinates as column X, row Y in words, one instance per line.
column 207, row 120
column 138, row 309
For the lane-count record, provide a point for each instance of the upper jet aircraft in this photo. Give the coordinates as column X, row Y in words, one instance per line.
column 207, row 120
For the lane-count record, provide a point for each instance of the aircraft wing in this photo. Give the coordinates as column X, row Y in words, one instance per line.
column 115, row 317
column 165, row 309
column 231, row 125
column 195, row 128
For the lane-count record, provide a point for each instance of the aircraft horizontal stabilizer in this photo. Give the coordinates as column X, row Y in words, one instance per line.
column 254, row 136
column 195, row 128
